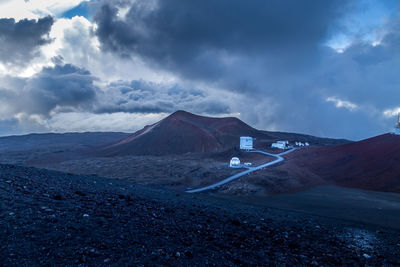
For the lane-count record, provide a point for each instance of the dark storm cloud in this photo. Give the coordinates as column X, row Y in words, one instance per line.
column 364, row 81
column 27, row 103
column 199, row 38
column 274, row 53
column 366, row 73
column 269, row 57
column 63, row 87
column 146, row 97
column 20, row 41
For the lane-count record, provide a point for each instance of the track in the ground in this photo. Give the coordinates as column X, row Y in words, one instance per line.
column 278, row 157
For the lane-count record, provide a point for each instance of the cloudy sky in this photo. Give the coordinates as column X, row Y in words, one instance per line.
column 328, row 68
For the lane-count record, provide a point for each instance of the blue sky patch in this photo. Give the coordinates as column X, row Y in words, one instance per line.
column 80, row 10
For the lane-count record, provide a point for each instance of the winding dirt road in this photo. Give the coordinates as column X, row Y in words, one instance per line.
column 278, row 157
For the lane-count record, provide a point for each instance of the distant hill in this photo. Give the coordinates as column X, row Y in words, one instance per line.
column 372, row 164
column 72, row 141
column 184, row 132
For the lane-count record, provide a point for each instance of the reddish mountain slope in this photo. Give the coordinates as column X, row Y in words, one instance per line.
column 183, row 132
column 372, row 164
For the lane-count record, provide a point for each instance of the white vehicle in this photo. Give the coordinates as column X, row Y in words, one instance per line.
column 247, row 164
column 246, row 142
column 235, row 162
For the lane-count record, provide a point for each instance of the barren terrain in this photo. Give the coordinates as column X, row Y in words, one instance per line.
column 273, row 216
column 371, row 164
column 53, row 218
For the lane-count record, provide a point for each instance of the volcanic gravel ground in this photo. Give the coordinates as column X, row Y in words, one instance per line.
column 175, row 171
column 53, row 218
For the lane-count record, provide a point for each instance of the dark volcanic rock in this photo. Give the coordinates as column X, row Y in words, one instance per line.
column 52, row 218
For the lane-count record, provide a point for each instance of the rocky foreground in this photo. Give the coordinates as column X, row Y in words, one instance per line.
column 53, row 218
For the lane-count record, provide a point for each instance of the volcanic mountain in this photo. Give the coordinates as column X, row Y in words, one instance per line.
column 183, row 132
column 372, row 164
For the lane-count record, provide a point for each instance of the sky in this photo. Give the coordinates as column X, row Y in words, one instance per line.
column 325, row 68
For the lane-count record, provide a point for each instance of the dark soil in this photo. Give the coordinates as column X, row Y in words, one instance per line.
column 371, row 164
column 53, row 218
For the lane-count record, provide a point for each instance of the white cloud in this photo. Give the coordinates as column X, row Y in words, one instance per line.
column 389, row 113
column 339, row 103
column 258, row 88
column 81, row 122
column 75, row 42
column 33, row 9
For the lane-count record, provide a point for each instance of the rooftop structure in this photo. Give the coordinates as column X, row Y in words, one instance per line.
column 235, row 162
column 301, row 144
column 246, row 142
column 280, row 144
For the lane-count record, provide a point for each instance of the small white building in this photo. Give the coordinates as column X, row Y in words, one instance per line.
column 302, row 144
column 246, row 142
column 280, row 144
column 235, row 162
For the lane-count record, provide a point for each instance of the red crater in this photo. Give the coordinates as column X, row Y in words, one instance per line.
column 184, row 132
column 372, row 164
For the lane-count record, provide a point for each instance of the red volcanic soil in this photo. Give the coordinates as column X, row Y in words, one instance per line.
column 372, row 164
column 184, row 132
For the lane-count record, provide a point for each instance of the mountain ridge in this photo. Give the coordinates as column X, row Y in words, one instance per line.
column 184, row 132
